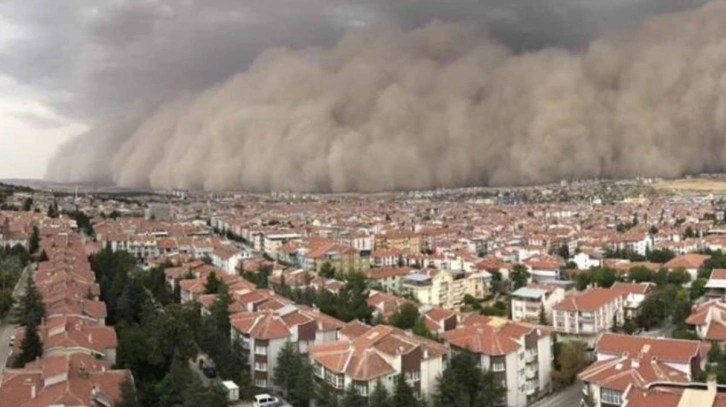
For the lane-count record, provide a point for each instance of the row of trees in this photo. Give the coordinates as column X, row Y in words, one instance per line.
column 30, row 315
column 12, row 261
column 157, row 338
column 350, row 303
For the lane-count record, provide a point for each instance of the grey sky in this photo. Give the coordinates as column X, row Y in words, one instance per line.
column 71, row 64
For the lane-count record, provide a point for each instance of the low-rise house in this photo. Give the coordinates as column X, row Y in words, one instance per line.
column 388, row 279
column 438, row 320
column 634, row 295
column 519, row 355
column 363, row 356
column 709, row 320
column 544, row 267
column 63, row 380
column 716, row 285
column 69, row 335
column 587, row 259
column 691, row 262
column 625, row 362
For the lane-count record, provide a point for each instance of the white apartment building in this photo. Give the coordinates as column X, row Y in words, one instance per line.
column 519, row 355
column 527, row 302
column 588, row 313
column 445, row 288
column 273, row 241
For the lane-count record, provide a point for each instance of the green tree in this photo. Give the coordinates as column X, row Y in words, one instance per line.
column 128, row 394
column 327, row 270
column 519, row 276
column 449, row 391
column 629, row 326
column 403, row 394
column 715, row 354
column 219, row 313
column 293, row 375
column 679, row 276
column 571, row 361
column 405, row 316
column 542, row 316
column 379, row 397
column 32, row 309
column 34, row 242
column 492, row 392
column 53, row 210
column 352, row 398
column 660, row 256
column 640, row 274
column 27, row 204
column 206, row 259
column 31, row 347
column 325, row 397
column 211, row 286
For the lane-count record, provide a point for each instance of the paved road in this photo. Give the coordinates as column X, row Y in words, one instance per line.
column 569, row 397
column 7, row 328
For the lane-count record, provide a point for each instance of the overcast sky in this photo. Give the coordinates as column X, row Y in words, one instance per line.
column 66, row 65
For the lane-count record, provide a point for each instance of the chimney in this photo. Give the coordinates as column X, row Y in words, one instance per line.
column 32, row 392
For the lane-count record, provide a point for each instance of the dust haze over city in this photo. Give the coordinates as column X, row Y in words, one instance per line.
column 375, row 95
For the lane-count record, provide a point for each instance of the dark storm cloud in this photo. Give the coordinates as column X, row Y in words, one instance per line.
column 101, row 56
column 145, row 73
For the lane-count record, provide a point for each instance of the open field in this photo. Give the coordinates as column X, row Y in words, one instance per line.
column 693, row 184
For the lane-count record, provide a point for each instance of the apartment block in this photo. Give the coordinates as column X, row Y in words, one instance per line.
column 528, row 302
column 364, row 355
column 519, row 355
column 588, row 313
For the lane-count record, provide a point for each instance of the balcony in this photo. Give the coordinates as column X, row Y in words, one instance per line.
column 531, row 390
column 530, row 357
column 530, row 374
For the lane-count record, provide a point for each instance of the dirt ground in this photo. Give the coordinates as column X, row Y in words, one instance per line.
column 693, row 184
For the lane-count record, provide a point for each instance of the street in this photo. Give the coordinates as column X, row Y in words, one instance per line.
column 569, row 397
column 7, row 328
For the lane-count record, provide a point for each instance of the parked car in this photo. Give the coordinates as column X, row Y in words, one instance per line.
column 265, row 400
column 12, row 341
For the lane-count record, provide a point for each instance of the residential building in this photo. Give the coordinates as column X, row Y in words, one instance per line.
column 63, row 380
column 634, row 295
column 709, row 320
column 691, row 262
column 444, row 288
column 528, row 302
column 264, row 332
column 624, row 362
column 588, row 313
column 716, row 285
column 518, row 354
column 364, row 355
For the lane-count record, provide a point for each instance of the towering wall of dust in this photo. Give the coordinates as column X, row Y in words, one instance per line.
column 443, row 105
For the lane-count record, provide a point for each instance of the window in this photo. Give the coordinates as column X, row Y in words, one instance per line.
column 498, row 366
column 611, row 396
column 318, row 370
column 261, row 366
column 261, row 350
column 413, row 376
column 361, row 388
column 260, row 383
